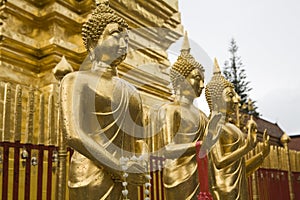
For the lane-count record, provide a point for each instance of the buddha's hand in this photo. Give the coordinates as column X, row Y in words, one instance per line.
column 211, row 137
column 252, row 132
column 215, row 125
column 266, row 144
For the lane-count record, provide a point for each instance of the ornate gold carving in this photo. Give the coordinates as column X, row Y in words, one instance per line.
column 137, row 7
column 2, row 2
column 62, row 69
column 41, row 45
column 18, row 113
column 78, row 6
column 51, row 121
column 40, row 3
column 6, row 134
column 30, row 116
column 41, row 137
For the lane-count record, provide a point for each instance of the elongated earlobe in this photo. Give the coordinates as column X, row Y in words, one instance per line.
column 178, row 91
column 92, row 55
column 177, row 87
column 216, row 107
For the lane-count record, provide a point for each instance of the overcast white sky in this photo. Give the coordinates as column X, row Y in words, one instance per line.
column 268, row 35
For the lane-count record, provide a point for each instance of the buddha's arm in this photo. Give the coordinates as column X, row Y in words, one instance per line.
column 75, row 136
column 172, row 150
column 222, row 160
column 136, row 113
column 140, row 144
column 253, row 163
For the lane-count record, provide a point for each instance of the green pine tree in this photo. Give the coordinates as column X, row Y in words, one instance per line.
column 234, row 72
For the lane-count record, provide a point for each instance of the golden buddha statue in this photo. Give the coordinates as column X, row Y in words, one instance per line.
column 227, row 164
column 181, row 125
column 102, row 114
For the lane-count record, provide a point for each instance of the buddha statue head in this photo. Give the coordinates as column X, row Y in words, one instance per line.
column 186, row 74
column 105, row 35
column 220, row 93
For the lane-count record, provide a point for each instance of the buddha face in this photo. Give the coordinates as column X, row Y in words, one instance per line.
column 194, row 84
column 112, row 45
column 229, row 100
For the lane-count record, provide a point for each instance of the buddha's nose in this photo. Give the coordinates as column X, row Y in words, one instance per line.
column 236, row 98
column 201, row 84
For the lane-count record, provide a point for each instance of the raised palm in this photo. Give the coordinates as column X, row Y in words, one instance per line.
column 212, row 134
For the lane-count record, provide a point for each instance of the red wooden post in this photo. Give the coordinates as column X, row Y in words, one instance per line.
column 157, row 177
column 27, row 174
column 5, row 171
column 49, row 177
column 16, row 171
column 40, row 173
column 161, row 180
column 152, row 175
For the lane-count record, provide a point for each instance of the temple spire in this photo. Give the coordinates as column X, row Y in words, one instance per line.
column 216, row 67
column 185, row 44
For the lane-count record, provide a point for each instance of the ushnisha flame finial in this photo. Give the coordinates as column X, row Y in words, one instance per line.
column 186, row 44
column 216, row 85
column 216, row 67
column 185, row 62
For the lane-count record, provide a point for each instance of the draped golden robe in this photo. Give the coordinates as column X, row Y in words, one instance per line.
column 229, row 182
column 181, row 126
column 109, row 113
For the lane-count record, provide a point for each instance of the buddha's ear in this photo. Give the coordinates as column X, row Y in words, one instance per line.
column 92, row 55
column 180, row 80
column 216, row 107
column 177, row 83
column 90, row 44
column 91, row 47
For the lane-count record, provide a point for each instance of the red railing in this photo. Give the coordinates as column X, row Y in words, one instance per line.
column 156, row 166
column 296, row 184
column 271, row 184
column 28, row 156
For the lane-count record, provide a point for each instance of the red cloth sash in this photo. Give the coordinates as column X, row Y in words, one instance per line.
column 203, row 175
